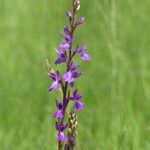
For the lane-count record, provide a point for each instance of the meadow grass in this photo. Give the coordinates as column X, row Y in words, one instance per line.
column 115, row 85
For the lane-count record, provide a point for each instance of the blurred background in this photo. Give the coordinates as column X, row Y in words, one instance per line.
column 115, row 85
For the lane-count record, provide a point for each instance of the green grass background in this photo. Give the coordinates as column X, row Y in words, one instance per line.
column 115, row 85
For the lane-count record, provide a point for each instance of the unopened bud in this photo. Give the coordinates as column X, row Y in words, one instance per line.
column 69, row 14
column 80, row 21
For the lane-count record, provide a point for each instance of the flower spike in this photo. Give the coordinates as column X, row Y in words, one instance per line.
column 66, row 81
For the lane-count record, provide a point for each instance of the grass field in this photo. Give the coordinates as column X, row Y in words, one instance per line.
column 115, row 85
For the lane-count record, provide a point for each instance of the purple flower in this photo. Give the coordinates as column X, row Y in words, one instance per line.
column 64, row 46
column 76, row 96
column 61, row 54
column 86, row 57
column 61, row 127
column 58, row 114
column 57, row 80
column 69, row 14
column 59, row 104
column 79, row 105
column 71, row 75
column 54, row 86
column 68, row 77
column 61, row 137
column 80, row 21
column 66, row 52
column 66, row 30
column 60, row 51
column 83, row 53
column 67, row 38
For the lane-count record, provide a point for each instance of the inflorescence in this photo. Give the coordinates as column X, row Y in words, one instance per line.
column 65, row 82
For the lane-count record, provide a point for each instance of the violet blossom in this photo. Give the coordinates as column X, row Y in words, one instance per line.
column 83, row 53
column 65, row 82
column 57, row 81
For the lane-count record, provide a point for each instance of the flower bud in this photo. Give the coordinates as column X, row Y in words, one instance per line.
column 66, row 30
column 69, row 14
column 80, row 21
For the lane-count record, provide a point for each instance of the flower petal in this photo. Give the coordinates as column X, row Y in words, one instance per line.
column 67, row 38
column 61, row 59
column 60, row 51
column 59, row 104
column 79, row 105
column 58, row 114
column 54, row 86
column 61, row 127
column 80, row 21
column 61, row 137
column 68, row 77
column 76, row 96
column 64, row 45
column 86, row 57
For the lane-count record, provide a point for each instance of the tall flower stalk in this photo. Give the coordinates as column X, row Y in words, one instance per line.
column 65, row 82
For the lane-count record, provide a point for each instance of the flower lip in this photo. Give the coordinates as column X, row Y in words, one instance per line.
column 54, row 86
column 86, row 57
column 61, row 137
column 61, row 59
column 57, row 80
column 83, row 53
column 64, row 46
column 79, row 105
column 58, row 114
column 70, row 75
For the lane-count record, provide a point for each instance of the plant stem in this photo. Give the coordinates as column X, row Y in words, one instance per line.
column 60, row 145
